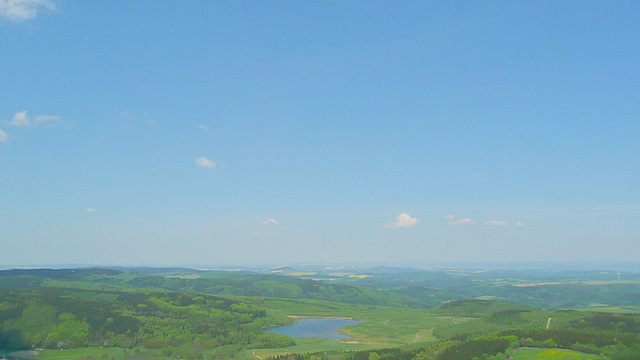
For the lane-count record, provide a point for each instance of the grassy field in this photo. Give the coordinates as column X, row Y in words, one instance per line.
column 309, row 346
column 552, row 354
column 80, row 353
column 382, row 327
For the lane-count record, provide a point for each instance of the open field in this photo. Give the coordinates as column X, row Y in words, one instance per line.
column 382, row 327
column 310, row 346
column 83, row 353
column 552, row 354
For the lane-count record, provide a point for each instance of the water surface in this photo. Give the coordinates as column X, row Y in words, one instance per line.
column 324, row 328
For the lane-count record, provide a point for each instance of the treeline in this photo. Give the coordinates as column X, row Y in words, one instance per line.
column 482, row 308
column 184, row 324
column 567, row 338
column 608, row 321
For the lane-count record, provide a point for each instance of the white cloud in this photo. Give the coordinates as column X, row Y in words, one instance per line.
column 150, row 121
column 21, row 119
column 204, row 162
column 270, row 222
column 203, row 127
column 453, row 221
column 3, row 136
column 465, row 221
column 20, row 10
column 496, row 223
column 519, row 224
column 90, row 210
column 403, row 220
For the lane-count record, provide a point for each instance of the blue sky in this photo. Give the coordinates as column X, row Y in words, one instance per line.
column 281, row 132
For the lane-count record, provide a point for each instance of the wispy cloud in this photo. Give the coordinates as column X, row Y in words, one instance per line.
column 205, row 163
column 270, row 222
column 149, row 121
column 21, row 119
column 21, row 10
column 454, row 221
column 41, row 119
column 403, row 220
column 203, row 127
column 496, row 223
column 465, row 221
column 90, row 210
column 3, row 136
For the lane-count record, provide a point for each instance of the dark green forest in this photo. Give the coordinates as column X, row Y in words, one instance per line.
column 68, row 318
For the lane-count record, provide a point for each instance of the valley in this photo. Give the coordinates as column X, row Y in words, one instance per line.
column 148, row 313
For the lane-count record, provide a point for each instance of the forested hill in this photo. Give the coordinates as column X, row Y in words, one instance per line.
column 69, row 318
column 216, row 283
column 415, row 289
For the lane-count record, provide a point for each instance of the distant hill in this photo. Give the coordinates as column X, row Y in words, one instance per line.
column 385, row 286
column 216, row 283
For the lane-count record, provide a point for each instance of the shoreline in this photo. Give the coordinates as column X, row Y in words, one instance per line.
column 319, row 317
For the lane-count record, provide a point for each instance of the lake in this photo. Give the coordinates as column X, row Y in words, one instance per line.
column 324, row 328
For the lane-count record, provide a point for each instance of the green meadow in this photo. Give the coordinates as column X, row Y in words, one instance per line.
column 86, row 353
column 382, row 327
column 552, row 354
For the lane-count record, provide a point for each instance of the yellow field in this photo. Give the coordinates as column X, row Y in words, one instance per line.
column 552, row 354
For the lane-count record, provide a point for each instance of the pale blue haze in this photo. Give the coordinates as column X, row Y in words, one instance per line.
column 325, row 120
